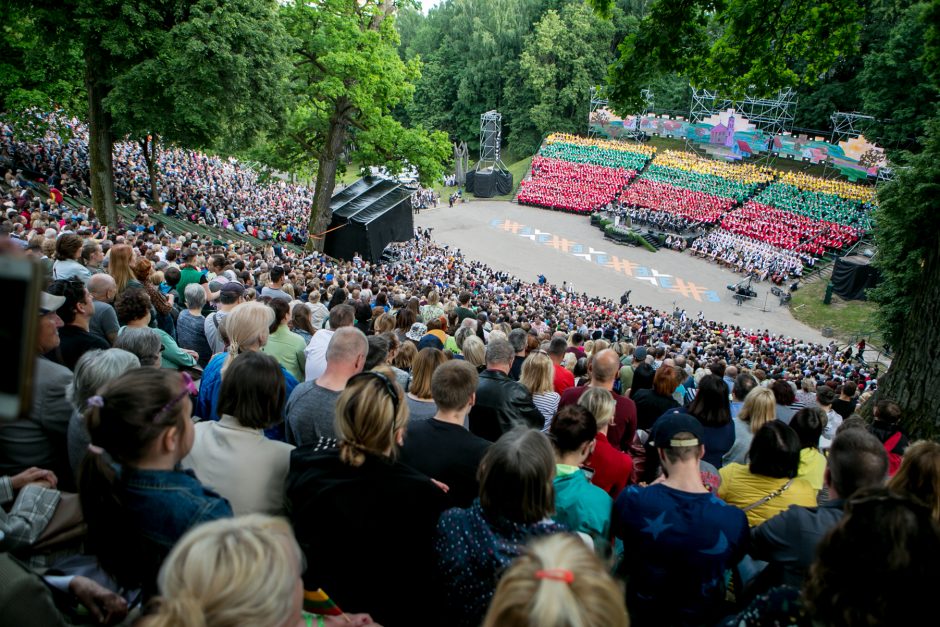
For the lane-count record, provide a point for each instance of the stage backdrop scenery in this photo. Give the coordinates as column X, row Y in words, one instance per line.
column 728, row 135
column 852, row 276
column 367, row 216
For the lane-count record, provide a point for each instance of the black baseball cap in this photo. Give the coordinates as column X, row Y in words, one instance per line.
column 669, row 425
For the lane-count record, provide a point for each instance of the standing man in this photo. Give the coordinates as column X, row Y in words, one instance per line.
column 603, row 369
column 104, row 322
column 312, row 405
column 76, row 313
column 501, row 403
column 442, row 448
column 231, row 295
column 681, row 539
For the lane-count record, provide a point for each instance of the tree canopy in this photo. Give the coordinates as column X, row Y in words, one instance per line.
column 347, row 79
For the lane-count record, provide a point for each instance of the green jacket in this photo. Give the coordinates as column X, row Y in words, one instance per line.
column 582, row 506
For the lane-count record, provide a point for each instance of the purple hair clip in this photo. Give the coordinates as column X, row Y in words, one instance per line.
column 96, row 401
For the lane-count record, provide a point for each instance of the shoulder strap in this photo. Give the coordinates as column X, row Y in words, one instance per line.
column 891, row 442
column 215, row 320
column 770, row 496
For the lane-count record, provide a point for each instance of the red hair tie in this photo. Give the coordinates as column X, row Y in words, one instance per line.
column 555, row 574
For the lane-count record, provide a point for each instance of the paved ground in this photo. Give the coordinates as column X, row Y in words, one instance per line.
column 527, row 241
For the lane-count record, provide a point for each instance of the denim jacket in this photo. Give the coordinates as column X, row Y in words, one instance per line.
column 163, row 505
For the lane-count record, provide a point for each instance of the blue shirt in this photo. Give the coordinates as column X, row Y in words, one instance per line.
column 677, row 548
column 208, row 399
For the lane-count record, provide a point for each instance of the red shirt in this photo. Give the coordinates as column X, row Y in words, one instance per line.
column 613, row 470
column 563, row 379
column 620, row 434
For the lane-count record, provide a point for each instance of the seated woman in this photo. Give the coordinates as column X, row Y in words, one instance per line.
column 420, row 403
column 808, row 425
column 769, row 484
column 557, row 581
column 247, row 328
column 538, row 376
column 919, row 475
column 232, row 456
column 94, row 369
column 613, row 469
column 579, row 505
column 758, row 409
column 653, row 403
column 135, row 503
column 244, row 571
column 283, row 344
column 191, row 327
column 132, row 307
column 516, row 500
column 712, row 407
column 361, row 517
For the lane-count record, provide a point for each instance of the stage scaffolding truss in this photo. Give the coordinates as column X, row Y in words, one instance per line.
column 491, row 134
column 773, row 116
column 848, row 125
column 599, row 102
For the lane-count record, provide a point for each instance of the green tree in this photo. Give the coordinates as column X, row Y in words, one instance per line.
column 212, row 78
column 190, row 70
column 347, row 79
column 734, row 46
column 567, row 53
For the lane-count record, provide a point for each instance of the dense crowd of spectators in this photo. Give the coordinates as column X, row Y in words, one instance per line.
column 198, row 187
column 430, row 440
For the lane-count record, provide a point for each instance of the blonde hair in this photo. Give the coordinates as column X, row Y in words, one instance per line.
column 383, row 323
column 247, row 329
column 474, row 351
column 366, row 419
column 759, row 408
column 589, row 347
column 120, row 258
column 538, row 373
column 919, row 475
column 230, row 572
column 601, row 404
column 600, row 345
column 591, row 599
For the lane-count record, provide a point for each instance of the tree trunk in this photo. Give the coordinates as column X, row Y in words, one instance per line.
column 320, row 213
column 149, row 146
column 100, row 159
column 912, row 379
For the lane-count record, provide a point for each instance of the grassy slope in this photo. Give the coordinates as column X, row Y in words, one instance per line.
column 850, row 320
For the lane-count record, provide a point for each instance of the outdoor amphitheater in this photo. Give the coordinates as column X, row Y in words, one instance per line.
column 500, row 313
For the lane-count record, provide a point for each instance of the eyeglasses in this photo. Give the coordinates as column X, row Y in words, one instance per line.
column 189, row 389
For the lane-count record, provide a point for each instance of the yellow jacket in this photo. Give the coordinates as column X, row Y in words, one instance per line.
column 739, row 487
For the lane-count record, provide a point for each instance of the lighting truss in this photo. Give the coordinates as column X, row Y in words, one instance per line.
column 491, row 134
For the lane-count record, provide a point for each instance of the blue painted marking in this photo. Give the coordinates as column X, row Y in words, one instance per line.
column 711, row 296
column 642, row 271
column 665, row 281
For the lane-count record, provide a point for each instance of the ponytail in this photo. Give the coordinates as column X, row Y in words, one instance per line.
column 123, row 420
column 184, row 610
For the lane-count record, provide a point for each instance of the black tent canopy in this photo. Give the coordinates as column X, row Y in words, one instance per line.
column 367, row 216
column 852, row 276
